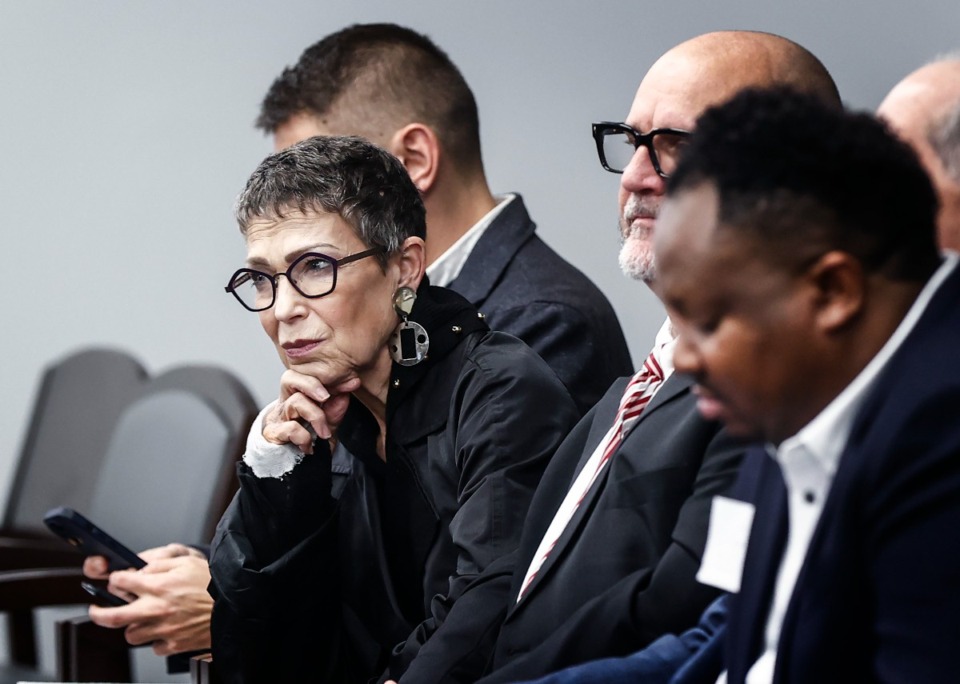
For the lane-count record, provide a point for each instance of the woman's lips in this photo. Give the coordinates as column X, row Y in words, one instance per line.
column 299, row 348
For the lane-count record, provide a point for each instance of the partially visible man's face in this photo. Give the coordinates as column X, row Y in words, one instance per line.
column 745, row 326
column 911, row 108
column 673, row 94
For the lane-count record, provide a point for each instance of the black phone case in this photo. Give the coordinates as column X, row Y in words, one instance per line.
column 106, row 598
column 89, row 539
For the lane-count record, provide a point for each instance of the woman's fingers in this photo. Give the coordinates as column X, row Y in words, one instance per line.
column 293, row 382
column 307, row 409
column 288, row 432
column 298, row 419
column 307, row 412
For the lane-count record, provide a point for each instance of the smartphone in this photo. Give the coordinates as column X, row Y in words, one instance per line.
column 90, row 540
column 102, row 594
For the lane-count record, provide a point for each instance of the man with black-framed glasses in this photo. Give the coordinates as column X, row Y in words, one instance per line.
column 617, row 143
column 615, row 532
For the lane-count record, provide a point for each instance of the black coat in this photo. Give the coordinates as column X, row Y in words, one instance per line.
column 319, row 575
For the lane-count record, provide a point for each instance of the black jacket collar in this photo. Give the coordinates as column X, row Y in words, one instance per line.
column 448, row 319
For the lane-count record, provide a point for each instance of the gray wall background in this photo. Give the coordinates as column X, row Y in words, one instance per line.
column 126, row 132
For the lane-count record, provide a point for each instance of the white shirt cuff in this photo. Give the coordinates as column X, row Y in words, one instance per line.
column 267, row 459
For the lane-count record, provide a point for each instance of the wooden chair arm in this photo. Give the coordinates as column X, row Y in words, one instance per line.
column 87, row 652
column 28, row 589
column 23, row 553
column 202, row 671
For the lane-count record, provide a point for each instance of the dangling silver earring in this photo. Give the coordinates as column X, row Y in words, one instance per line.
column 410, row 341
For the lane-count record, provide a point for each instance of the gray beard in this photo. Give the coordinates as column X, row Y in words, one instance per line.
column 643, row 268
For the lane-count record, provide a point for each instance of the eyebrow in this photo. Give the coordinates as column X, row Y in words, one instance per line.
column 290, row 257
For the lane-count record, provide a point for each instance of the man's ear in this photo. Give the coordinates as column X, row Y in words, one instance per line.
column 413, row 262
column 840, row 289
column 417, row 146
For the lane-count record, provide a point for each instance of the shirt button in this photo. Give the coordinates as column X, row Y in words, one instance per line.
column 809, row 496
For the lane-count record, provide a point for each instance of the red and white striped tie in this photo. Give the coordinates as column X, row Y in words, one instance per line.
column 636, row 396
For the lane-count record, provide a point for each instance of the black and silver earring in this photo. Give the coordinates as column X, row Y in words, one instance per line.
column 410, row 341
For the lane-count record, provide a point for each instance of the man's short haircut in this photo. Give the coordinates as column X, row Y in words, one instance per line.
column 379, row 75
column 804, row 178
column 368, row 187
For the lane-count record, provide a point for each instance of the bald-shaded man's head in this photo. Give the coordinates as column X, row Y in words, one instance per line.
column 924, row 109
column 689, row 78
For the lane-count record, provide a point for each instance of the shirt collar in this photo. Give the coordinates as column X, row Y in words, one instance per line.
column 663, row 347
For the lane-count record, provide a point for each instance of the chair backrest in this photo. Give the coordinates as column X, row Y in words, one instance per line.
column 169, row 468
column 149, row 460
column 234, row 403
column 78, row 403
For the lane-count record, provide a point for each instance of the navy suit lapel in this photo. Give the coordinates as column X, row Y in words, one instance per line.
column 749, row 609
column 494, row 252
column 674, row 386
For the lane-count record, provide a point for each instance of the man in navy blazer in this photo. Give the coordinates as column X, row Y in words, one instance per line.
column 830, row 333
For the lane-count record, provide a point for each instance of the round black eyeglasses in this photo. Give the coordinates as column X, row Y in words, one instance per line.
column 312, row 274
column 618, row 142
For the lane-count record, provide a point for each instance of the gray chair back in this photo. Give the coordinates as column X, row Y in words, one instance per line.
column 78, row 402
column 169, row 468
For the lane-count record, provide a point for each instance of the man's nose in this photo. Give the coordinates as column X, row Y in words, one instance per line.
column 639, row 176
column 686, row 359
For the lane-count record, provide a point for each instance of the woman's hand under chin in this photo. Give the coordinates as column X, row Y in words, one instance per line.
column 306, row 408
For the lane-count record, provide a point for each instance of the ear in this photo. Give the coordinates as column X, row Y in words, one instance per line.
column 412, row 262
column 840, row 287
column 417, row 146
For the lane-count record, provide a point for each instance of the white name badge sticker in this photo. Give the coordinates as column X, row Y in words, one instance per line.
column 730, row 523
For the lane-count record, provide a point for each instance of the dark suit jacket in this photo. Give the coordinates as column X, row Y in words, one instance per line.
column 622, row 573
column 666, row 661
column 878, row 596
column 525, row 288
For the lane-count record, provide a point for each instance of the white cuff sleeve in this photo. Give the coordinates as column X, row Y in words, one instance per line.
column 267, row 459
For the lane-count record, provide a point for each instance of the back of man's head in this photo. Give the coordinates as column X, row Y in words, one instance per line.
column 804, row 178
column 924, row 109
column 373, row 79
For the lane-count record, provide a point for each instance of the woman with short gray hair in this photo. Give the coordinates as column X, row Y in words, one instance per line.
column 406, row 441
